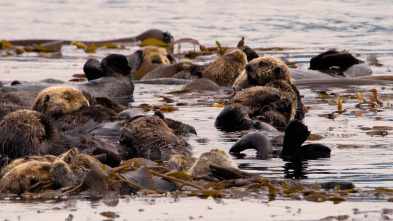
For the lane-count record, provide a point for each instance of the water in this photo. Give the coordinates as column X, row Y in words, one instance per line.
column 305, row 28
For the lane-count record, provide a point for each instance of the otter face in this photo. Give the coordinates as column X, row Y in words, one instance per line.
column 263, row 70
column 147, row 59
column 60, row 100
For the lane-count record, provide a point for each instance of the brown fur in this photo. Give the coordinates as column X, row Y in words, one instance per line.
column 261, row 71
column 215, row 157
column 145, row 60
column 201, row 84
column 274, row 75
column 59, row 100
column 177, row 162
column 225, row 69
column 35, row 176
column 150, row 137
column 19, row 161
column 28, row 133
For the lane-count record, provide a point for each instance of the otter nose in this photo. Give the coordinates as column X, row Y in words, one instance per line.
column 248, row 67
column 156, row 60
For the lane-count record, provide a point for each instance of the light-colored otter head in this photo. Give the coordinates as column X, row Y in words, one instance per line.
column 225, row 69
column 59, row 100
column 36, row 176
column 263, row 70
column 147, row 59
column 215, row 157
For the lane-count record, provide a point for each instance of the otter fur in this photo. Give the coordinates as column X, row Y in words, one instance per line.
column 150, row 137
column 110, row 66
column 147, row 59
column 35, row 176
column 57, row 101
column 213, row 157
column 225, row 69
column 28, row 133
column 263, row 70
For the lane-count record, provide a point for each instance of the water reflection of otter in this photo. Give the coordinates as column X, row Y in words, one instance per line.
column 295, row 169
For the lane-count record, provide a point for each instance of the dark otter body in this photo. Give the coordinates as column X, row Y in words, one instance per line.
column 110, row 66
column 331, row 59
column 255, row 141
column 150, row 137
column 29, row 133
column 295, row 135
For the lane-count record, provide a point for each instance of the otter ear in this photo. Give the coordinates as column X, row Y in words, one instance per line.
column 135, row 60
column 171, row 58
column 277, row 71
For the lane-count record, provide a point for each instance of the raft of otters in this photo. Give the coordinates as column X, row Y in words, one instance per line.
column 82, row 137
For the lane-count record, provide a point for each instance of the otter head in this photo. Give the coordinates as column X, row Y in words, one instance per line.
column 148, row 58
column 263, row 70
column 60, row 100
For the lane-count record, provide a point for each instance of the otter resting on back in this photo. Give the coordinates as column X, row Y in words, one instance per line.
column 225, row 69
column 29, row 133
column 59, row 100
column 150, row 137
column 263, row 93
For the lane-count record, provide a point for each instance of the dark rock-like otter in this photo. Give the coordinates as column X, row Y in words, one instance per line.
column 147, row 59
column 333, row 59
column 256, row 141
column 150, row 137
column 295, row 135
column 111, row 66
column 28, row 133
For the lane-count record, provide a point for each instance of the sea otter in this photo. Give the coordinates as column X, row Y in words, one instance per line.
column 110, row 66
column 266, row 93
column 28, row 133
column 295, row 135
column 213, row 157
column 147, row 59
column 35, row 176
column 225, row 69
column 59, row 100
column 150, row 137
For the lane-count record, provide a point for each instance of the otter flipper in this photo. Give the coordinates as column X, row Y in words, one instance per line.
column 296, row 134
column 255, row 141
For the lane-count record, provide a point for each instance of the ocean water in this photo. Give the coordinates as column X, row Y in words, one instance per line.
column 302, row 28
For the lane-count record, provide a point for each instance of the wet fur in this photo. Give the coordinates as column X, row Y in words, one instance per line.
column 225, row 69
column 59, row 100
column 150, row 137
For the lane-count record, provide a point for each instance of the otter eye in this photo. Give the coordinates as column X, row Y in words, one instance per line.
column 261, row 64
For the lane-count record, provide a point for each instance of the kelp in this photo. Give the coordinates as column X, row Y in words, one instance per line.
column 153, row 42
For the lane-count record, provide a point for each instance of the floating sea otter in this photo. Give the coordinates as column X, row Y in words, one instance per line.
column 263, row 93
